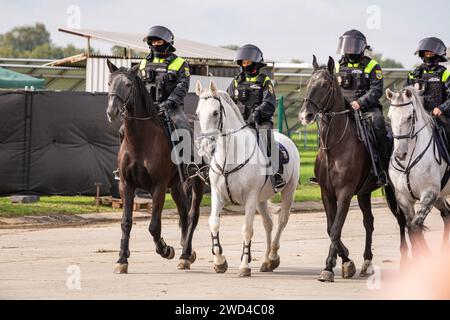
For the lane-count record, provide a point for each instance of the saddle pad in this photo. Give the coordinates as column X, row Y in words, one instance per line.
column 284, row 155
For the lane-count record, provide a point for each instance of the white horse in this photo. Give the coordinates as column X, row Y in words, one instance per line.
column 416, row 168
column 237, row 173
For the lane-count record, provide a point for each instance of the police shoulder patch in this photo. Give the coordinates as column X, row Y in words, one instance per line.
column 379, row 74
column 186, row 72
column 270, row 88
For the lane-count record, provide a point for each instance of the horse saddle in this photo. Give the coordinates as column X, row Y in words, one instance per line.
column 441, row 141
column 282, row 151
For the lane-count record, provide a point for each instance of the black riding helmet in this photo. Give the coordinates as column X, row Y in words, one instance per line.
column 432, row 44
column 160, row 32
column 250, row 52
column 352, row 42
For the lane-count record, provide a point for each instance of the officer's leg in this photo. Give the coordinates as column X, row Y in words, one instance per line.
column 183, row 134
column 379, row 128
column 444, row 123
column 121, row 136
column 275, row 162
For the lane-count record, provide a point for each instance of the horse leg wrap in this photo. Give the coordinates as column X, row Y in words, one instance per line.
column 246, row 250
column 214, row 244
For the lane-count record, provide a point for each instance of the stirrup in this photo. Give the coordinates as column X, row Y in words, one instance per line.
column 313, row 180
column 116, row 174
column 279, row 183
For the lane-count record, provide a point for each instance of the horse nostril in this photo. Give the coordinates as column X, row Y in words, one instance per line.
column 309, row 117
column 400, row 155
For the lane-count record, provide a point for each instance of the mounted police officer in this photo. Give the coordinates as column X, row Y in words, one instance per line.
column 361, row 80
column 253, row 92
column 434, row 79
column 166, row 77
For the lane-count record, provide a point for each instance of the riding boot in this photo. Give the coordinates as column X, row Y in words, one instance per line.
column 379, row 127
column 184, row 136
column 276, row 164
column 121, row 136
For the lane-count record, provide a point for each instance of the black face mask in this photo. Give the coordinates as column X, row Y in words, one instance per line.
column 353, row 57
column 161, row 50
column 251, row 69
column 431, row 60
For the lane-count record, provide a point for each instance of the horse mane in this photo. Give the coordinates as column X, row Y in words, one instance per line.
column 233, row 105
column 418, row 103
column 226, row 97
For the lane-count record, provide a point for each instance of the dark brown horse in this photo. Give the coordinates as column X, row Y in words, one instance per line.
column 343, row 169
column 145, row 162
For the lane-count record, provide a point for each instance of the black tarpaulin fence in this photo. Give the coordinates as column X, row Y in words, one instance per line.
column 57, row 143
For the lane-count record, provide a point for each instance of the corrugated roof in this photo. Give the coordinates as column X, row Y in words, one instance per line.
column 185, row 48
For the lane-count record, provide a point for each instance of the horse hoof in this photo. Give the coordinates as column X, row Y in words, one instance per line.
column 366, row 269
column 326, row 276
column 121, row 268
column 348, row 269
column 270, row 266
column 171, row 253
column 246, row 272
column 184, row 264
column 221, row 268
column 193, row 257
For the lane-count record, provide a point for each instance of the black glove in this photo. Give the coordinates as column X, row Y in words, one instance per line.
column 166, row 106
column 255, row 117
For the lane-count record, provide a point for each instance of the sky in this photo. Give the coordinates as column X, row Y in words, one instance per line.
column 282, row 29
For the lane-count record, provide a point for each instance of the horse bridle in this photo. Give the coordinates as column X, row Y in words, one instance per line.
column 123, row 111
column 322, row 113
column 219, row 132
column 413, row 134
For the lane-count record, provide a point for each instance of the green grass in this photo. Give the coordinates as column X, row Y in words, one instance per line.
column 51, row 205
column 81, row 204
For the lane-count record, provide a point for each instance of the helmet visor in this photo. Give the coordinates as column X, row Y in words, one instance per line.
column 350, row 45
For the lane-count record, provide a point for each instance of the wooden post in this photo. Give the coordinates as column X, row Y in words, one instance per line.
column 97, row 198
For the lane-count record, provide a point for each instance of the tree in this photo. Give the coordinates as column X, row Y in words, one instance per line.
column 233, row 47
column 387, row 62
column 33, row 42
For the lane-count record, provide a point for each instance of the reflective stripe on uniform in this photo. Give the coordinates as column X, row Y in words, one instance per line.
column 142, row 64
column 445, row 76
column 176, row 64
column 253, row 79
column 368, row 69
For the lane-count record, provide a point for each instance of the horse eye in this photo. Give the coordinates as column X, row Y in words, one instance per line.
column 409, row 118
column 128, row 85
column 215, row 113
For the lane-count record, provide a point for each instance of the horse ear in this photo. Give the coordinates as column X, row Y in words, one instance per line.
column 331, row 65
column 111, row 66
column 213, row 88
column 408, row 93
column 198, row 88
column 420, row 88
column 389, row 94
column 315, row 64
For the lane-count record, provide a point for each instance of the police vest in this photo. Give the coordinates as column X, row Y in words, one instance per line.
column 353, row 78
column 433, row 84
column 248, row 92
column 160, row 76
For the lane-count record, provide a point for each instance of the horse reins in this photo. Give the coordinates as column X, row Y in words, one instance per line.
column 222, row 171
column 323, row 113
column 413, row 134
